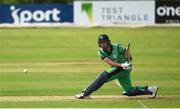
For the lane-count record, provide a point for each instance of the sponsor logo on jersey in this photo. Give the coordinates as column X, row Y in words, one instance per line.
column 114, row 56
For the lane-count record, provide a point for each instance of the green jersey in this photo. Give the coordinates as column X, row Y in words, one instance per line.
column 116, row 54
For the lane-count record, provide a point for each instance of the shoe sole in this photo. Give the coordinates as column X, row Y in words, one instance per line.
column 85, row 97
column 154, row 96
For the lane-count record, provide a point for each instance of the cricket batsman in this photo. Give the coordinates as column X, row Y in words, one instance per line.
column 120, row 61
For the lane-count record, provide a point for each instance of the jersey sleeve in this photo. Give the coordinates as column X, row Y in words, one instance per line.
column 101, row 54
column 121, row 49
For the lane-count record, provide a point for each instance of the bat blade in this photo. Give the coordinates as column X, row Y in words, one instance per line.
column 128, row 52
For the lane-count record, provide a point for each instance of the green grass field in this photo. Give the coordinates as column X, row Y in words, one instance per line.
column 63, row 61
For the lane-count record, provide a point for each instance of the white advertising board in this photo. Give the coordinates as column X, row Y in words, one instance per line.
column 114, row 12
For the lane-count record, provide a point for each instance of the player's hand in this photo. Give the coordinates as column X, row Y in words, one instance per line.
column 126, row 66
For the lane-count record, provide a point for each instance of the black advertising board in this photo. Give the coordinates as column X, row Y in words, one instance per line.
column 167, row 11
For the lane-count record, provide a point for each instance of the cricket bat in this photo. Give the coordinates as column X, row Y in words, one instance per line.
column 128, row 53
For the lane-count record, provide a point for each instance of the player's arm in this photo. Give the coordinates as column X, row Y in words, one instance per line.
column 125, row 66
column 111, row 63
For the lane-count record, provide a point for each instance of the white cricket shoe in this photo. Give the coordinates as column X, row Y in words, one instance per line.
column 81, row 96
column 154, row 90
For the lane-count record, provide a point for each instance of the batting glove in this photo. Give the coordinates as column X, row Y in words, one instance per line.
column 126, row 66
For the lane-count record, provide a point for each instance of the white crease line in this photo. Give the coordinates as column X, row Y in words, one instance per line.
column 143, row 105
